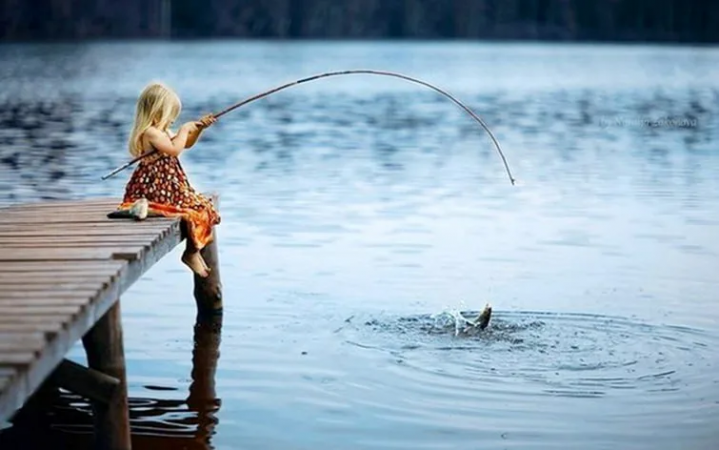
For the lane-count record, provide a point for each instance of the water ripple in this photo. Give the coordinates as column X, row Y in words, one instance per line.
column 556, row 354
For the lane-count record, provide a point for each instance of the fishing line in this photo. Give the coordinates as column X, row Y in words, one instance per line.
column 330, row 74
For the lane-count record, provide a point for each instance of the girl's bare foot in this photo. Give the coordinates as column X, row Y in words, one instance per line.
column 194, row 261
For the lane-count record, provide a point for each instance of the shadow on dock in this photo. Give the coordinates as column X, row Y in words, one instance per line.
column 61, row 420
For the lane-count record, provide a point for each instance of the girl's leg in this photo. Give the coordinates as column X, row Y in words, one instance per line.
column 202, row 260
column 192, row 258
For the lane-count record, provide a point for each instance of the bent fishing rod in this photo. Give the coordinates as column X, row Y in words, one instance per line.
column 329, row 74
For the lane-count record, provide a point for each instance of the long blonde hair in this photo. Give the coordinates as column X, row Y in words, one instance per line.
column 157, row 106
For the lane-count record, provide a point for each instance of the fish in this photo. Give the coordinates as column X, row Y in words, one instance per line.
column 481, row 321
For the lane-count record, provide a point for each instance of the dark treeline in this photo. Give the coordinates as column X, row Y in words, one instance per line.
column 594, row 20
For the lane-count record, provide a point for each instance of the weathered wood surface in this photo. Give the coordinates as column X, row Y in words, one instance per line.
column 63, row 265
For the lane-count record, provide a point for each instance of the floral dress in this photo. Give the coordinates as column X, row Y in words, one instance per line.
column 161, row 180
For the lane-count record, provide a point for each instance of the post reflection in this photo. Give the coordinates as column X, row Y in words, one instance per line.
column 202, row 399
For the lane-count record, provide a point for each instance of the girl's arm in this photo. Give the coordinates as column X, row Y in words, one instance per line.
column 162, row 142
column 193, row 137
column 203, row 123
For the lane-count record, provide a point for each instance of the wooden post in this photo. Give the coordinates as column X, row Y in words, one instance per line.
column 105, row 353
column 208, row 291
column 89, row 383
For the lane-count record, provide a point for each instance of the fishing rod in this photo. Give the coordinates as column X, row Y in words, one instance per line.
column 329, row 74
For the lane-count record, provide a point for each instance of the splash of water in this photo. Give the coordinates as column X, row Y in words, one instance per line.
column 454, row 315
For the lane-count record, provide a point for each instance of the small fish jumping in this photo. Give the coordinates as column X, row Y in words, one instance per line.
column 479, row 323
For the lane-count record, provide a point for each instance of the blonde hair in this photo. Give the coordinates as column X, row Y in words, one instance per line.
column 157, row 106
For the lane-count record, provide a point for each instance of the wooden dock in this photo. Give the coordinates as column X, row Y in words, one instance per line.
column 63, row 268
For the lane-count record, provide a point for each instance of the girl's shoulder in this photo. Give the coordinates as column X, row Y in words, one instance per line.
column 152, row 132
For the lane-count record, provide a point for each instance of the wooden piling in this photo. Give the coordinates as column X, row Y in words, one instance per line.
column 89, row 383
column 105, row 353
column 208, row 291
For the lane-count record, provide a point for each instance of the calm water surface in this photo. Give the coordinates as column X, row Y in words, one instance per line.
column 356, row 210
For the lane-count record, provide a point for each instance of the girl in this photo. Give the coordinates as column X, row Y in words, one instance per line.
column 159, row 180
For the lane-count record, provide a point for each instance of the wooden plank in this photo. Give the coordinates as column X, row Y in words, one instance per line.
column 78, row 240
column 63, row 245
column 106, row 225
column 60, row 237
column 58, row 277
column 80, row 293
column 21, row 342
column 48, row 325
column 80, row 235
column 56, row 209
column 60, row 213
column 52, row 286
column 53, row 277
column 33, row 275
column 46, row 268
column 63, row 208
column 128, row 231
column 50, row 328
column 154, row 220
column 55, row 254
column 70, row 254
column 17, row 358
column 95, row 218
column 34, row 310
column 29, row 222
column 28, row 336
column 74, row 202
column 50, row 273
column 34, row 319
column 60, row 209
column 69, row 212
column 25, row 218
column 47, row 285
column 42, row 265
column 45, row 301
column 103, row 266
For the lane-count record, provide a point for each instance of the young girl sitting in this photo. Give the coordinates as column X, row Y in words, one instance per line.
column 159, row 179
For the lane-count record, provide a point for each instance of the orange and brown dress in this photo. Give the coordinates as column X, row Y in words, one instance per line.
column 161, row 180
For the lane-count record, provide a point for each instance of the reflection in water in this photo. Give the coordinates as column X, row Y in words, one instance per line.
column 156, row 423
column 203, row 399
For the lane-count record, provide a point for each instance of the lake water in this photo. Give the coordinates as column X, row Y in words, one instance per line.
column 357, row 209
